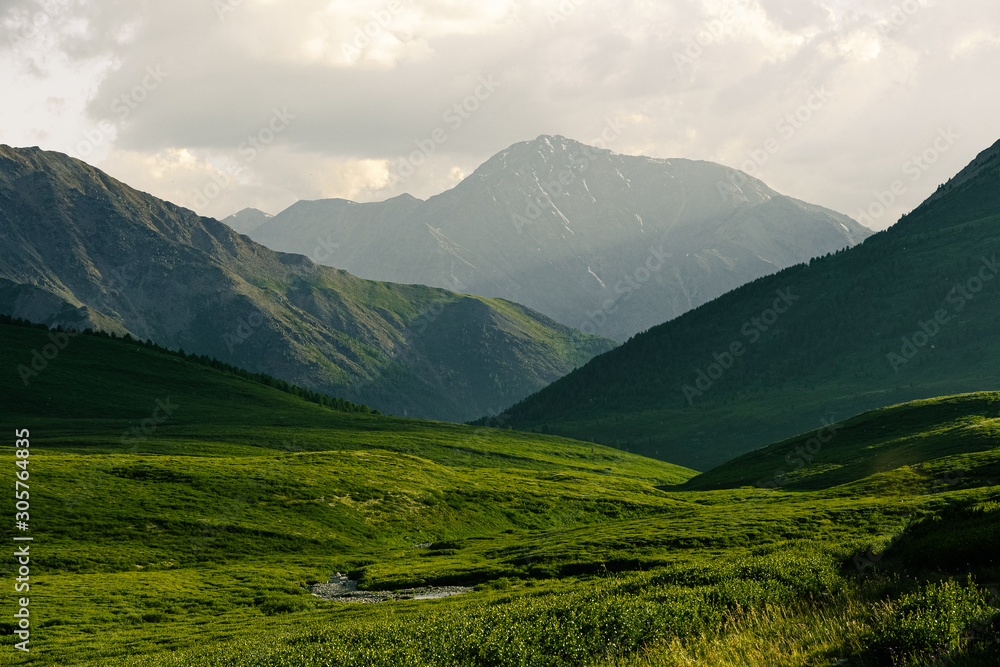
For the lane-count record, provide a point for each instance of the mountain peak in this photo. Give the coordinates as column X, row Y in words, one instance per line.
column 11, row 150
column 556, row 143
column 552, row 141
column 247, row 220
column 250, row 211
column 545, row 152
column 406, row 196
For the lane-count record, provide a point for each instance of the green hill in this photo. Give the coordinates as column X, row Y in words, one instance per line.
column 961, row 428
column 180, row 509
column 909, row 314
column 143, row 461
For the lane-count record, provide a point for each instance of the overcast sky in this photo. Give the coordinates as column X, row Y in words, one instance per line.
column 220, row 105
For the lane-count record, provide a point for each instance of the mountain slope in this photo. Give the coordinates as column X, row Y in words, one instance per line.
column 84, row 250
column 602, row 242
column 911, row 313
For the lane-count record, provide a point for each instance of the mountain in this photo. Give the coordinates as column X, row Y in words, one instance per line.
column 83, row 250
column 247, row 220
column 605, row 243
column 911, row 313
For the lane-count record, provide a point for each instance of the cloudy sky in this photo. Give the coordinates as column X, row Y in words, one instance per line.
column 220, row 105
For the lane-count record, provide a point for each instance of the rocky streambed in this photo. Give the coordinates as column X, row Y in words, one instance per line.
column 342, row 589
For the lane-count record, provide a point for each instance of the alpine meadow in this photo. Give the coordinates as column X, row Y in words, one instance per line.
column 499, row 334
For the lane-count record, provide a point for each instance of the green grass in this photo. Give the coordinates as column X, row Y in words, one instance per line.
column 876, row 442
column 194, row 545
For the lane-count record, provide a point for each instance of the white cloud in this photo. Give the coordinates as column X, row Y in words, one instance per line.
column 974, row 41
column 218, row 185
column 860, row 46
column 564, row 66
column 373, row 34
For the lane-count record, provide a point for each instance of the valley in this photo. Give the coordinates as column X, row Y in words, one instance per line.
column 802, row 471
column 198, row 543
column 518, row 333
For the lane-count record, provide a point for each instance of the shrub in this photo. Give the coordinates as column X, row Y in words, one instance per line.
column 932, row 622
column 285, row 605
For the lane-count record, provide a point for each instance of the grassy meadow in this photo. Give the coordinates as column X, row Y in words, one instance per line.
column 180, row 511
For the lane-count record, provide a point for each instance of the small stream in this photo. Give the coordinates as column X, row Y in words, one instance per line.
column 342, row 589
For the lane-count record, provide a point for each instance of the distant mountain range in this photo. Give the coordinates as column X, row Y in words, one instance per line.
column 605, row 243
column 911, row 313
column 83, row 250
